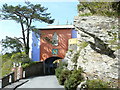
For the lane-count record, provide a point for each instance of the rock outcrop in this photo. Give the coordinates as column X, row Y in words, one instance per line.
column 99, row 58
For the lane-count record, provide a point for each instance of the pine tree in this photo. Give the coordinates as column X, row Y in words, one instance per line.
column 25, row 16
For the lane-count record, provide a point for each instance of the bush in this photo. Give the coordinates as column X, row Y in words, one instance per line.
column 6, row 68
column 83, row 44
column 63, row 76
column 24, row 65
column 96, row 83
column 6, row 64
column 74, row 80
column 75, row 57
column 62, row 64
column 61, row 72
column 9, row 58
column 20, row 57
column 58, row 72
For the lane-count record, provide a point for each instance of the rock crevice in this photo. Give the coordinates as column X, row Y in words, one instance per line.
column 99, row 59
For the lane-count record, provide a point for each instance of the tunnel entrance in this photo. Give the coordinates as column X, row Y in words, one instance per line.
column 50, row 66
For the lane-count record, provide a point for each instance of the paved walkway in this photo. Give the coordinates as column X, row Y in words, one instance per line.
column 16, row 84
column 42, row 82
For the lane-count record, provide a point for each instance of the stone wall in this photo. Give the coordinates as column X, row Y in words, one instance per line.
column 36, row 69
column 99, row 58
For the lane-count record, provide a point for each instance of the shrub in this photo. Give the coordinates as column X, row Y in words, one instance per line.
column 83, row 44
column 62, row 64
column 86, row 14
column 96, row 83
column 61, row 72
column 9, row 58
column 75, row 57
column 6, row 67
column 63, row 76
column 24, row 65
column 70, row 50
column 20, row 57
column 74, row 80
column 58, row 72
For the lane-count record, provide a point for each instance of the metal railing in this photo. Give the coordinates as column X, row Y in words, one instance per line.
column 20, row 73
column 8, row 79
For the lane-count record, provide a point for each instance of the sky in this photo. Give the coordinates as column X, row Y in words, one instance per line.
column 62, row 11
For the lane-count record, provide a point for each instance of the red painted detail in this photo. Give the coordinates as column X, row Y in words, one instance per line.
column 46, row 48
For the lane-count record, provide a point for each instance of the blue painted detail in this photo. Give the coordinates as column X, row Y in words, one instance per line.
column 35, row 47
column 55, row 51
column 74, row 34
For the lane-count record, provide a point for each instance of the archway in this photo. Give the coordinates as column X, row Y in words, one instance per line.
column 49, row 66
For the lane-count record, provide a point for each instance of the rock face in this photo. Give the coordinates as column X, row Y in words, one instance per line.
column 99, row 59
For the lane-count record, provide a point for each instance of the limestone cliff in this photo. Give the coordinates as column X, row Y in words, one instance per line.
column 99, row 58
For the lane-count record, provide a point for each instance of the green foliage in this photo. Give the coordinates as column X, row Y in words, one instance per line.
column 20, row 57
column 113, row 27
column 27, row 12
column 114, row 40
column 58, row 72
column 96, row 83
column 26, row 15
column 24, row 65
column 9, row 58
column 62, row 64
column 101, row 8
column 5, row 57
column 86, row 14
column 74, row 79
column 116, row 7
column 83, row 44
column 70, row 50
column 6, row 64
column 13, row 44
column 63, row 76
column 117, row 47
column 75, row 58
column 61, row 72
column 70, row 79
column 6, row 67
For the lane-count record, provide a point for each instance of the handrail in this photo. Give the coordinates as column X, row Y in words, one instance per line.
column 8, row 79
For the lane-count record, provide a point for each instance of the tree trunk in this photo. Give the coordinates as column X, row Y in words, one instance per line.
column 27, row 47
column 28, row 35
column 23, row 34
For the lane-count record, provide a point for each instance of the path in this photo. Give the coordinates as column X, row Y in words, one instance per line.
column 42, row 82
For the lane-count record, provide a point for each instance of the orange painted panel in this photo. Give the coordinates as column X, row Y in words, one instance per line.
column 46, row 48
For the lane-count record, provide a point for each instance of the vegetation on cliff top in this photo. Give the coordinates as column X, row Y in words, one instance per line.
column 101, row 8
